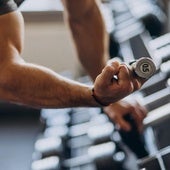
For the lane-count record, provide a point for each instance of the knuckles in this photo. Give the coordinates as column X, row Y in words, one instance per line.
column 127, row 87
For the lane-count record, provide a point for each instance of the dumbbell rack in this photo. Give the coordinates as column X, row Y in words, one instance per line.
column 85, row 138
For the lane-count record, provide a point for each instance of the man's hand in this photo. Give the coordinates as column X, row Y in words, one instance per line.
column 114, row 83
column 118, row 110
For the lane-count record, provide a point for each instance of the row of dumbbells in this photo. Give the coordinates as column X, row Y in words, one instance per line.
column 156, row 97
column 127, row 19
column 91, row 142
column 85, row 132
column 87, row 143
column 84, row 138
column 155, row 94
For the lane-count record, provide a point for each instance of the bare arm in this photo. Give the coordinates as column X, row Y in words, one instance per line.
column 37, row 86
column 31, row 84
column 91, row 42
column 88, row 31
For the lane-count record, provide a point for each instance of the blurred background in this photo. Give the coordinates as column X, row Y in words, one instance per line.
column 84, row 138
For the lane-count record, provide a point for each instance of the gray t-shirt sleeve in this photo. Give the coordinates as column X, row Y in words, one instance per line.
column 7, row 6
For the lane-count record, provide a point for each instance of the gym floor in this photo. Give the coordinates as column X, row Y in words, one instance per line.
column 18, row 133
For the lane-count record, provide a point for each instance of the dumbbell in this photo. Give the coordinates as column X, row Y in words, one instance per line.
column 156, row 99
column 122, row 18
column 160, row 48
column 96, row 134
column 118, row 7
column 133, row 25
column 58, row 131
column 126, row 26
column 121, row 12
column 83, row 135
column 68, row 136
column 79, row 139
column 96, row 157
column 54, row 135
column 55, row 132
column 50, row 163
column 45, row 147
column 143, row 68
column 158, row 81
column 48, row 144
column 52, row 140
column 102, row 156
column 156, row 125
column 150, row 14
column 128, row 31
column 83, row 115
column 82, row 128
column 159, row 93
column 55, row 117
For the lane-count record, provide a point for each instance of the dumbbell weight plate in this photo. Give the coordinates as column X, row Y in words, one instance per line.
column 49, row 146
column 144, row 67
column 50, row 163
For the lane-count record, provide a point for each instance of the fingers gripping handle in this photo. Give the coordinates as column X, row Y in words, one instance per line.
column 144, row 67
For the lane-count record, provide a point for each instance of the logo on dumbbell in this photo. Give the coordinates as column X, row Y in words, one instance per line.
column 145, row 68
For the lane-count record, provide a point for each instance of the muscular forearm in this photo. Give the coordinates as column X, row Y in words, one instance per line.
column 41, row 87
column 89, row 35
column 31, row 84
